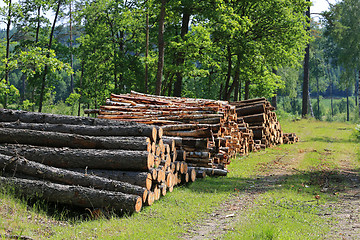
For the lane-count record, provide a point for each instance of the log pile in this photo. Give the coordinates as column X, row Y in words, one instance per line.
column 257, row 115
column 206, row 130
column 88, row 162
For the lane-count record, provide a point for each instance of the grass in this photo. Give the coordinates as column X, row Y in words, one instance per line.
column 286, row 208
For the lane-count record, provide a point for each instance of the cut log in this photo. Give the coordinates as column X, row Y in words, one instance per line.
column 8, row 115
column 53, row 139
column 82, row 158
column 255, row 118
column 250, row 110
column 142, row 179
column 137, row 130
column 74, row 195
column 192, row 174
column 150, row 199
column 197, row 133
column 63, row 176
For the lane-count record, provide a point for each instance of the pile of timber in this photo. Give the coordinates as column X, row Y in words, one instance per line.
column 88, row 162
column 206, row 130
column 258, row 116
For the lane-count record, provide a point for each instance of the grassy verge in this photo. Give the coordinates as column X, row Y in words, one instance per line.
column 285, row 208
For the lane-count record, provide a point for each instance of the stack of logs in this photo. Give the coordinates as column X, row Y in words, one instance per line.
column 206, row 130
column 88, row 162
column 257, row 115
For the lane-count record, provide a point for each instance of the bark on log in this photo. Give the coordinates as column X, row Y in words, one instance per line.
column 82, row 158
column 74, row 195
column 63, row 176
column 138, row 131
column 53, row 139
column 8, row 115
column 192, row 174
column 197, row 133
column 255, row 118
column 142, row 179
column 250, row 110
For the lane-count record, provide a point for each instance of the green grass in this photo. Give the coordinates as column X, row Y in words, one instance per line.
column 286, row 209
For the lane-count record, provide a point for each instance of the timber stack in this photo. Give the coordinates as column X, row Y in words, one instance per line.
column 258, row 116
column 88, row 162
column 206, row 130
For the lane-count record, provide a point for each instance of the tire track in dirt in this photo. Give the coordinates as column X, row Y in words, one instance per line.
column 237, row 205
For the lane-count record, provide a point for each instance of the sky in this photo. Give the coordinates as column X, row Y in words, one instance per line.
column 320, row 5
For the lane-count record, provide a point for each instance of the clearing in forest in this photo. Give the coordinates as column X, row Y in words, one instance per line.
column 308, row 190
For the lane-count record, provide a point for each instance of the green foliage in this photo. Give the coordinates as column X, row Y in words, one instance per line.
column 27, row 105
column 73, row 100
column 8, row 91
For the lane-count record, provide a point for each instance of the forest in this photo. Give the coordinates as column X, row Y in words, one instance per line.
column 69, row 55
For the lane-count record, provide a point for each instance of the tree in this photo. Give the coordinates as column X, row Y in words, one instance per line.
column 343, row 26
column 161, row 46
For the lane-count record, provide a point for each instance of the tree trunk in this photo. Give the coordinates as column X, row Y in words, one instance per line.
column 347, row 105
column 53, row 139
column 161, row 46
column 138, row 131
column 228, row 76
column 181, row 55
column 38, row 24
column 147, row 53
column 43, row 81
column 83, row 158
column 247, row 89
column 67, row 177
column 8, row 115
column 250, row 110
column 318, row 98
column 359, row 92
column 74, row 195
column 143, row 179
column 71, row 50
column 305, row 94
column 236, row 79
column 80, row 86
column 7, row 55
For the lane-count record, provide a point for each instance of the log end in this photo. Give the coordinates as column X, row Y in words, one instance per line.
column 148, row 182
column 150, row 199
column 192, row 174
column 154, row 134
column 144, row 195
column 138, row 204
column 160, row 133
column 150, row 161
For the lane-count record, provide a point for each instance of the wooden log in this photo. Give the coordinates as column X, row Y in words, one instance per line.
column 74, row 195
column 8, row 115
column 197, row 133
column 199, row 143
column 82, row 158
column 182, row 127
column 250, row 110
column 192, row 174
column 198, row 155
column 185, row 177
column 181, row 155
column 248, row 101
column 137, row 130
column 63, row 176
column 255, row 118
column 162, row 188
column 150, row 199
column 142, row 179
column 53, row 139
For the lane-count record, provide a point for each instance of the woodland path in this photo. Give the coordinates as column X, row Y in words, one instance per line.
column 337, row 174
